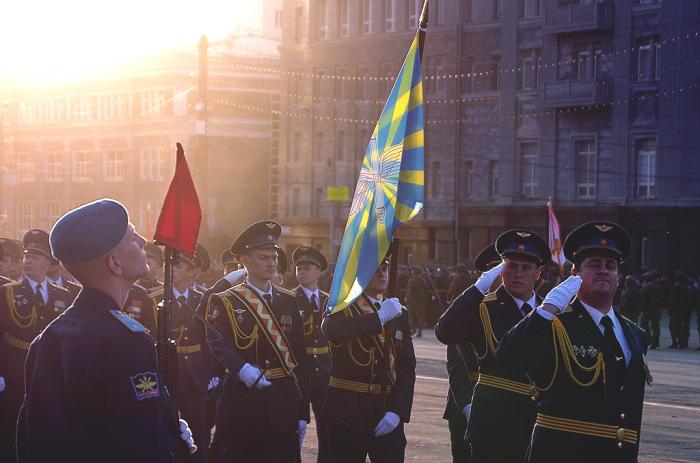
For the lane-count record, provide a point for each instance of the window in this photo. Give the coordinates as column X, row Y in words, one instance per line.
column 437, row 68
column 362, row 91
column 366, row 15
column 646, row 168
column 83, row 108
column 531, row 8
column 344, row 18
column 298, row 24
column 53, row 211
column 296, row 199
column 437, row 8
column 151, row 164
column 493, row 179
column 82, row 164
column 295, row 155
column 435, row 179
column 318, row 145
column 583, row 65
column 296, row 89
column 414, row 7
column 24, row 216
column 486, row 75
column 647, row 60
column 342, row 84
column 318, row 202
column 321, row 18
column 531, row 68
column 530, row 155
column 113, row 106
column 54, row 167
column 148, row 215
column 340, row 145
column 114, row 165
column 585, row 168
column 497, row 8
column 387, row 83
column 152, row 102
column 318, row 83
column 389, row 16
column 467, row 178
column 25, row 166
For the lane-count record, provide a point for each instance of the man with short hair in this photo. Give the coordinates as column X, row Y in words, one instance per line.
column 26, row 308
column 154, row 255
column 255, row 331
column 586, row 361
column 309, row 263
column 373, row 374
column 11, row 259
column 93, row 387
column 55, row 276
column 502, row 412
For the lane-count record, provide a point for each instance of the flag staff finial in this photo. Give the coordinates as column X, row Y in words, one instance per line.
column 423, row 23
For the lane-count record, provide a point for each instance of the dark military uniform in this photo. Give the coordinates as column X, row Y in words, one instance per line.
column 318, row 359
column 578, row 421
column 72, row 288
column 258, row 424
column 142, row 308
column 195, row 368
column 364, row 385
column 93, row 391
column 23, row 315
column 463, row 373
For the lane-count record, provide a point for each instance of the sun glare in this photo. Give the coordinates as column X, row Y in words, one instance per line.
column 45, row 41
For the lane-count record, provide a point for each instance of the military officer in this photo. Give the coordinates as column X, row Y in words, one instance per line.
column 140, row 306
column 55, row 276
column 282, row 263
column 201, row 262
column 12, row 258
column 502, row 412
column 309, row 263
column 228, row 261
column 370, row 392
column 3, row 279
column 154, row 254
column 586, row 360
column 463, row 373
column 256, row 333
column 26, row 307
column 93, row 388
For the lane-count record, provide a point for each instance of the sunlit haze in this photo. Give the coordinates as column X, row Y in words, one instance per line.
column 44, row 41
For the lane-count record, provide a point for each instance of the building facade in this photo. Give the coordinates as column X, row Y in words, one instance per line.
column 590, row 103
column 64, row 145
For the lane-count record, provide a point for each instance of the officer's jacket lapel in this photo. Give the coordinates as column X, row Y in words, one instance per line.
column 507, row 305
column 302, row 301
column 635, row 345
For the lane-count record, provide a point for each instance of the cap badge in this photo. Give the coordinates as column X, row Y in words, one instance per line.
column 604, row 228
column 604, row 242
column 523, row 234
column 521, row 247
column 270, row 225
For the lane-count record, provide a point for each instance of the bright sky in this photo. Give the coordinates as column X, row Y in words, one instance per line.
column 53, row 40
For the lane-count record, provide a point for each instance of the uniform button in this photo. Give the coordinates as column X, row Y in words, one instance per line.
column 186, row 357
column 41, row 317
column 619, row 445
column 316, row 370
column 622, row 388
column 186, row 338
column 185, row 328
column 622, row 416
column 376, row 362
column 315, row 341
column 315, row 356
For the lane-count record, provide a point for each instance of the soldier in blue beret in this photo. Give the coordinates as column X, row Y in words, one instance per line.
column 93, row 391
column 502, row 412
column 590, row 410
column 256, row 333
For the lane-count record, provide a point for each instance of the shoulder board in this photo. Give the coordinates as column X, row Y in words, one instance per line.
column 157, row 292
column 284, row 291
column 59, row 288
column 226, row 292
column 490, row 297
column 14, row 283
column 323, row 293
column 128, row 322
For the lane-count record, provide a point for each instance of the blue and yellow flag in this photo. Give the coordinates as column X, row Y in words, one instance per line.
column 390, row 187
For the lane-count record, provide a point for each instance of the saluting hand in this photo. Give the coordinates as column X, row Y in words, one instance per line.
column 2, row 384
column 484, row 282
column 388, row 310
column 467, row 411
column 186, row 436
column 557, row 299
column 302, row 432
column 213, row 383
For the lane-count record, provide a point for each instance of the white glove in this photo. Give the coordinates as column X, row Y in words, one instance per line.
column 236, row 275
column 467, row 410
column 388, row 310
column 250, row 374
column 387, row 424
column 213, row 383
column 2, row 384
column 302, row 432
column 560, row 295
column 484, row 282
column 186, row 436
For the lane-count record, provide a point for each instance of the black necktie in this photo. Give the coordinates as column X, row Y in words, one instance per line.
column 613, row 342
column 39, row 296
column 377, row 305
column 182, row 300
column 268, row 299
column 314, row 304
column 526, row 308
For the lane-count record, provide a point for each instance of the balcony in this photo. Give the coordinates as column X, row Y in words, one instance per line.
column 569, row 93
column 579, row 18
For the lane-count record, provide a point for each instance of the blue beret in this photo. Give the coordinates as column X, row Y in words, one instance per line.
column 89, row 231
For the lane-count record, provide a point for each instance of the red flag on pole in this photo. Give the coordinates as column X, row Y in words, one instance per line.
column 179, row 220
column 555, row 239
